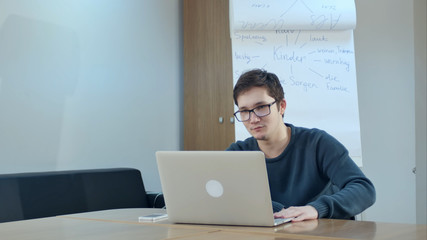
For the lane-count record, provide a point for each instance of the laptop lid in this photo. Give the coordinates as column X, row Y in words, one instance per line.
column 216, row 187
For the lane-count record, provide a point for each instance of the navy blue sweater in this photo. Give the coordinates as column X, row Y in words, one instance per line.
column 315, row 169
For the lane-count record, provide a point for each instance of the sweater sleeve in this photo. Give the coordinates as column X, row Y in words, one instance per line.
column 277, row 207
column 355, row 191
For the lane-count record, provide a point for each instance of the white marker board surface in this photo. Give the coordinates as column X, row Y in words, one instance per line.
column 309, row 46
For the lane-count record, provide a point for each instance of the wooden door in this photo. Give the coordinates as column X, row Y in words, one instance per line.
column 208, row 84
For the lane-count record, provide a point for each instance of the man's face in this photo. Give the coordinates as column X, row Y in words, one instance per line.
column 261, row 128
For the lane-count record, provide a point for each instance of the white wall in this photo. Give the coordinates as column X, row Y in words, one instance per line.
column 89, row 84
column 384, row 45
column 420, row 22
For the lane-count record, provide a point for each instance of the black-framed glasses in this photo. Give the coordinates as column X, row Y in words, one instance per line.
column 260, row 111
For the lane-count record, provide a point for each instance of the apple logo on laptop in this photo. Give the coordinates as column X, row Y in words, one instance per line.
column 214, row 188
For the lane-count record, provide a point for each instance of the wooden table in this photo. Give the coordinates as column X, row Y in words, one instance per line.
column 123, row 224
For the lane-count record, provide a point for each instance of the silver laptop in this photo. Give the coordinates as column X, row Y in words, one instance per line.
column 216, row 187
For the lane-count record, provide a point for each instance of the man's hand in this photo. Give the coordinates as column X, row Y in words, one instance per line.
column 298, row 213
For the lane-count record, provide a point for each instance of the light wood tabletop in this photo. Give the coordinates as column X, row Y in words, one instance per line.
column 124, row 224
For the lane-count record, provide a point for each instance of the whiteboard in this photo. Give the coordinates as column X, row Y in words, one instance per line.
column 309, row 46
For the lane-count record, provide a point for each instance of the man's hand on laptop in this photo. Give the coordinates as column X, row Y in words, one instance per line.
column 298, row 213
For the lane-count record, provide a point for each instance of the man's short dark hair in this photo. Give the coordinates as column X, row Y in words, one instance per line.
column 259, row 78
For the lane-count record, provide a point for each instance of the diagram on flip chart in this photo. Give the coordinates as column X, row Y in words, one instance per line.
column 313, row 56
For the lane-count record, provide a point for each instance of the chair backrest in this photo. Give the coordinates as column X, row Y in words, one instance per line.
column 45, row 194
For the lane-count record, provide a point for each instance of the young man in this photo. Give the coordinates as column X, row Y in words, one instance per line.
column 310, row 173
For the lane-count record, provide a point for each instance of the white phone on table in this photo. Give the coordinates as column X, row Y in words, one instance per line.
column 153, row 217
